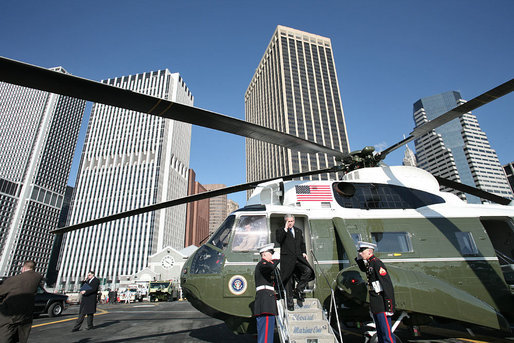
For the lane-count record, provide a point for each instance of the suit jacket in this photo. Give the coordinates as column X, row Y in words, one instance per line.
column 88, row 301
column 17, row 297
column 291, row 250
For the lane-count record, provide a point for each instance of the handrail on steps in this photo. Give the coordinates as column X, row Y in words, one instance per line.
column 332, row 298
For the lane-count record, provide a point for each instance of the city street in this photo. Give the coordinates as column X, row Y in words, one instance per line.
column 179, row 322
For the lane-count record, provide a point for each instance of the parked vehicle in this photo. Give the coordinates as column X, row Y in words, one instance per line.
column 49, row 303
column 162, row 291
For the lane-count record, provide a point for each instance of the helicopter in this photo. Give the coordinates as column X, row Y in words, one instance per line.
column 448, row 260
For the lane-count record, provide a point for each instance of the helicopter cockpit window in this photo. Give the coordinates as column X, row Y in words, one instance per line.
column 371, row 196
column 207, row 260
column 392, row 241
column 221, row 237
column 251, row 233
column 466, row 244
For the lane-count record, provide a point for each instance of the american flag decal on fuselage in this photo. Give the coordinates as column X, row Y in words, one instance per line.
column 314, row 193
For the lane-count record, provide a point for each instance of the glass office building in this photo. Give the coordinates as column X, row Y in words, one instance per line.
column 38, row 136
column 129, row 160
column 458, row 150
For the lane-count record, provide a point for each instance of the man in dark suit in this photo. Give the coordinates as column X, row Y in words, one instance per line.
column 17, row 304
column 88, row 290
column 293, row 261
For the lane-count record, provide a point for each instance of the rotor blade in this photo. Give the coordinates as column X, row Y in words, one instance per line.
column 32, row 76
column 472, row 190
column 472, row 104
column 189, row 198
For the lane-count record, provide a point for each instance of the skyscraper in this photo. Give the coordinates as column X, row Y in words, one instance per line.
column 458, row 150
column 38, row 136
column 231, row 206
column 294, row 90
column 129, row 160
column 509, row 172
column 217, row 207
column 197, row 218
column 409, row 158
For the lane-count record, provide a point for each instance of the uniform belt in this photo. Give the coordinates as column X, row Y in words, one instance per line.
column 260, row 288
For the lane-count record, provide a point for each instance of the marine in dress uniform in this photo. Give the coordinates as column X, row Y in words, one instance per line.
column 265, row 305
column 381, row 292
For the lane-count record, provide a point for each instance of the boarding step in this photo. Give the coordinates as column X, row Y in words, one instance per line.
column 324, row 338
column 303, row 315
column 308, row 328
column 308, row 305
column 307, row 323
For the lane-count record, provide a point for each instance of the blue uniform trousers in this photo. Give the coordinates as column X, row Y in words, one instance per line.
column 384, row 328
column 265, row 328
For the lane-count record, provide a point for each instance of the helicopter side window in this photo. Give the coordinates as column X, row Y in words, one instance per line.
column 392, row 241
column 356, row 237
column 371, row 196
column 251, row 233
column 221, row 237
column 466, row 243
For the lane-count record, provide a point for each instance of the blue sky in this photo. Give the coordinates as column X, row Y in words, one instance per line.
column 388, row 54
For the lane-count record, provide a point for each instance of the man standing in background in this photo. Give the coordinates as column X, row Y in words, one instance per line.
column 17, row 304
column 88, row 290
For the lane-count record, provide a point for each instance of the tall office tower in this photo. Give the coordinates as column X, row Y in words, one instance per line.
column 52, row 272
column 409, row 158
column 295, row 90
column 129, row 160
column 197, row 217
column 458, row 150
column 509, row 172
column 217, row 208
column 38, row 136
column 231, row 206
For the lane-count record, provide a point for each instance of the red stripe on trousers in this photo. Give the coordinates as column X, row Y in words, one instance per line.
column 266, row 335
column 388, row 328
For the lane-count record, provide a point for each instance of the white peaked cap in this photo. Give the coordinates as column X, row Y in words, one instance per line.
column 267, row 247
column 366, row 245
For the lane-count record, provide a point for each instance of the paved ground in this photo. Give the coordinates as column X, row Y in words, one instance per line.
column 180, row 322
column 139, row 322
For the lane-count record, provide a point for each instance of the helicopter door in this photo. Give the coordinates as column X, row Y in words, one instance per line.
column 501, row 234
column 277, row 222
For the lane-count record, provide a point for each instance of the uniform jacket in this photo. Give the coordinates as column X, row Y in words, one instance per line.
column 375, row 270
column 291, row 250
column 265, row 299
column 88, row 302
column 17, row 297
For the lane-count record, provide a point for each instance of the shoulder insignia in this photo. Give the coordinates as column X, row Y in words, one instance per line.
column 382, row 271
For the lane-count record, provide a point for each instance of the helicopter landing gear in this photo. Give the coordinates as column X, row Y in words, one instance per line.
column 371, row 335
